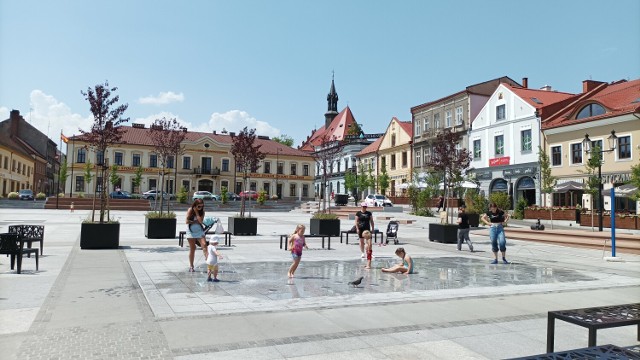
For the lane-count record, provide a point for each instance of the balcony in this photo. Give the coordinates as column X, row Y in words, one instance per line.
column 206, row 171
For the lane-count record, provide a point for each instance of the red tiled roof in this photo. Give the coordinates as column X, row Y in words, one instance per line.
column 140, row 136
column 371, row 148
column 339, row 128
column 407, row 127
column 618, row 98
column 545, row 97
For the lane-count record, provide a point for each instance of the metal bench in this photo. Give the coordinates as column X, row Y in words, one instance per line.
column 594, row 318
column 227, row 237
column 375, row 234
column 30, row 234
column 285, row 238
column 12, row 244
column 595, row 352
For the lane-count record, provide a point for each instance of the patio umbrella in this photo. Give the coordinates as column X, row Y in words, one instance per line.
column 403, row 186
column 625, row 190
column 464, row 184
column 568, row 186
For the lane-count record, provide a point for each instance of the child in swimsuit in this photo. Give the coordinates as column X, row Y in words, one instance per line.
column 407, row 263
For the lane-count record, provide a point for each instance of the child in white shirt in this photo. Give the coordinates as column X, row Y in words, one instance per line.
column 212, row 260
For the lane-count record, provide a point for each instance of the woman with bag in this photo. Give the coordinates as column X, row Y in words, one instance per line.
column 195, row 230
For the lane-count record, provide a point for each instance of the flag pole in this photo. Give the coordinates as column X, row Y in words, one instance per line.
column 59, row 156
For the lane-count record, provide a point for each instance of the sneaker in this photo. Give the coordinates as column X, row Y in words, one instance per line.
column 495, row 261
column 504, row 261
column 191, row 269
column 471, row 249
column 216, row 280
column 459, row 249
column 362, row 256
column 209, row 279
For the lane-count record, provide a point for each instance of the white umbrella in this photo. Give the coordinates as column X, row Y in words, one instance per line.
column 464, row 184
column 403, row 186
column 625, row 190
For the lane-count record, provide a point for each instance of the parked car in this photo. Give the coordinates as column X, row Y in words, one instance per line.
column 120, row 195
column 249, row 194
column 25, row 194
column 205, row 195
column 152, row 194
column 377, row 200
column 232, row 196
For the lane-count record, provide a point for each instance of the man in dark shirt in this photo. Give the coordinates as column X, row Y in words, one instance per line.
column 463, row 228
column 364, row 221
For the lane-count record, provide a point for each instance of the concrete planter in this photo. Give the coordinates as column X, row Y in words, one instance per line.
column 329, row 227
column 100, row 236
column 474, row 219
column 160, row 228
column 444, row 233
column 242, row 226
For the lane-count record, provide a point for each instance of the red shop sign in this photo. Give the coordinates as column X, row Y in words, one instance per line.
column 499, row 161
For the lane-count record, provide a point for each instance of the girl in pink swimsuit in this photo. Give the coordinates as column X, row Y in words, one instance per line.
column 296, row 243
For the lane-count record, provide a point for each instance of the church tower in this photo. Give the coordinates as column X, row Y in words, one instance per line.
column 332, row 105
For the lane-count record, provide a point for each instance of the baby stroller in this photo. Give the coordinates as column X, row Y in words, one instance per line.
column 208, row 223
column 392, row 231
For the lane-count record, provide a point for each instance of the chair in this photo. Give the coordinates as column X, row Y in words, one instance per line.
column 30, row 234
column 11, row 244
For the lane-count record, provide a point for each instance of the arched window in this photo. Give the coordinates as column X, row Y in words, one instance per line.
column 590, row 110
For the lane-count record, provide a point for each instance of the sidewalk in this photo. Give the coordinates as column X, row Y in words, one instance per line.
column 139, row 301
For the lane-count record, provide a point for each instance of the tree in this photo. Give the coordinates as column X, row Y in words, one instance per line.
column 113, row 176
column 62, row 178
column 247, row 157
column 167, row 136
column 105, row 131
column 328, row 150
column 137, row 178
column 591, row 170
column 383, row 181
column 635, row 181
column 449, row 160
column 350, row 181
column 547, row 182
column 284, row 140
column 87, row 175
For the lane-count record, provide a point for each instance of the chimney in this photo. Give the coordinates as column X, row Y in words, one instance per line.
column 214, row 132
column 588, row 85
column 525, row 82
column 14, row 117
column 546, row 88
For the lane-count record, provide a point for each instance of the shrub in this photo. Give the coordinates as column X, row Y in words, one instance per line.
column 80, row 195
column 61, row 195
column 520, row 206
column 501, row 199
column 224, row 196
column 325, row 216
column 160, row 215
column 41, row 196
column 475, row 202
column 12, row 195
column 262, row 197
column 182, row 195
column 423, row 212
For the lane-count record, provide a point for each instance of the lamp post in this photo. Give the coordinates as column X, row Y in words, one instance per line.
column 586, row 143
column 277, row 172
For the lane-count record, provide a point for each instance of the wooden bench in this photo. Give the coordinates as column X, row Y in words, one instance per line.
column 375, row 234
column 227, row 237
column 285, row 239
column 594, row 318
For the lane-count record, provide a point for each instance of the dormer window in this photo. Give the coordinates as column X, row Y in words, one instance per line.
column 590, row 110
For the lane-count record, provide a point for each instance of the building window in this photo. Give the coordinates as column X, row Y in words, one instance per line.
column 280, row 167
column 135, row 160
column 383, row 162
column 589, row 111
column 153, row 183
column 224, row 184
column 225, row 164
column 525, row 140
column 404, row 159
column 80, row 158
column 459, row 116
column 99, row 184
column 499, row 142
column 436, row 121
column 305, row 170
column 305, row 190
column 556, row 155
column 292, row 190
column 624, row 147
column 393, row 140
column 418, row 130
column 427, row 155
column 597, row 144
column 185, row 184
column 100, row 157
column 576, row 153
column 186, row 162
column 267, row 167
column 118, row 158
column 80, row 183
column 427, row 124
column 447, row 118
column 501, row 112
column 294, row 169
column 393, row 162
column 170, row 161
column 477, row 149
column 153, row 160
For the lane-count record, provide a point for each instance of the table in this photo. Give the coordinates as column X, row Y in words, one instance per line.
column 594, row 318
column 285, row 239
column 375, row 234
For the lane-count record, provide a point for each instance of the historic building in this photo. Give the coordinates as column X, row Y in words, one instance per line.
column 394, row 154
column 600, row 111
column 505, row 138
column 28, row 158
column 205, row 164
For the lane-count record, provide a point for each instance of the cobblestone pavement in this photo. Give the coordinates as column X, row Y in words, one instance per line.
column 139, row 302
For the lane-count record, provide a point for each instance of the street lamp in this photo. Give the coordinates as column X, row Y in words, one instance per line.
column 277, row 171
column 586, row 143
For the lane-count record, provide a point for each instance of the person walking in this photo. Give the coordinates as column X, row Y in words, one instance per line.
column 195, row 230
column 440, row 203
column 496, row 218
column 296, row 243
column 463, row 228
column 364, row 221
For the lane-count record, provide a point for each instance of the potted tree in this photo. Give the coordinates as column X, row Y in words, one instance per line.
column 323, row 222
column 102, row 232
column 247, row 156
column 476, row 204
column 452, row 162
column 167, row 136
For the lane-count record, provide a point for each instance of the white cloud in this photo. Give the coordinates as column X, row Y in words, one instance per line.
column 163, row 98
column 4, row 113
column 148, row 120
column 50, row 116
column 236, row 120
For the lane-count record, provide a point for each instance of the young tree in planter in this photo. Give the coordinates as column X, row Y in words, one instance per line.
column 449, row 160
column 547, row 182
column 105, row 131
column 88, row 176
column 247, row 156
column 593, row 181
column 326, row 153
column 383, row 181
column 137, row 178
column 167, row 136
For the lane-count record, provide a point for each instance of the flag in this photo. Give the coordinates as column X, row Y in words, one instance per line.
column 64, row 138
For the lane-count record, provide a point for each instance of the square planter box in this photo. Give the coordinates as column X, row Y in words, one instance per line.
column 444, row 233
column 242, row 226
column 329, row 227
column 160, row 228
column 99, row 236
column 474, row 220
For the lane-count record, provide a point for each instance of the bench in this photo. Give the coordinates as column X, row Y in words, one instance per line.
column 285, row 239
column 227, row 237
column 375, row 234
column 30, row 234
column 595, row 352
column 594, row 318
column 12, row 244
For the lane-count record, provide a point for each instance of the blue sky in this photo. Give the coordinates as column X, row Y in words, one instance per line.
column 268, row 64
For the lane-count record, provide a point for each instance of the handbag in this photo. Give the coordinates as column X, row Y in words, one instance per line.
column 219, row 228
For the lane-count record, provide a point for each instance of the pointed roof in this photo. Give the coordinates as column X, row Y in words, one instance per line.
column 371, row 148
column 339, row 128
column 618, row 98
column 406, row 126
column 539, row 98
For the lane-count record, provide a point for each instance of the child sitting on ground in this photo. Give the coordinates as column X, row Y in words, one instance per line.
column 406, row 267
column 212, row 260
column 368, row 246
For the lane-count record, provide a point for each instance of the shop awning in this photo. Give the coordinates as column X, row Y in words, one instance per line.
column 568, row 186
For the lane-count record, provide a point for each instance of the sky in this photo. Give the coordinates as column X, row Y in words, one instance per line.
column 268, row 65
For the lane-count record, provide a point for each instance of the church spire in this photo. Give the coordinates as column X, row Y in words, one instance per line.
column 332, row 103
